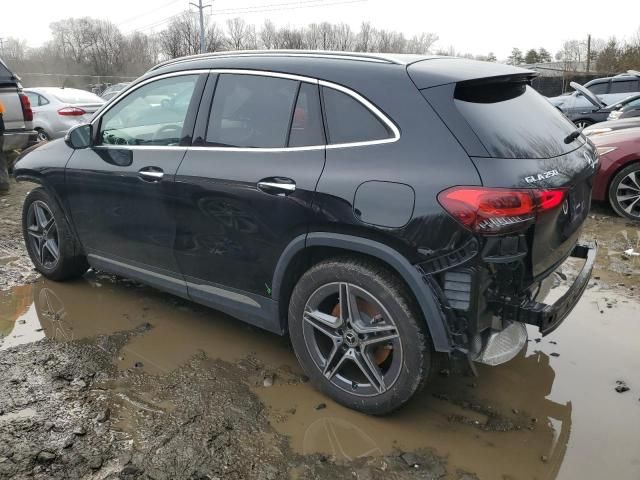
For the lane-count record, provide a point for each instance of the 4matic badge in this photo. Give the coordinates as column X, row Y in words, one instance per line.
column 541, row 176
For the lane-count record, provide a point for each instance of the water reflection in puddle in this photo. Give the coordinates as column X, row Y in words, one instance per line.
column 561, row 414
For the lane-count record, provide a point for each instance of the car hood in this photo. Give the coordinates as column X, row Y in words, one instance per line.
column 613, row 125
column 617, row 137
column 588, row 95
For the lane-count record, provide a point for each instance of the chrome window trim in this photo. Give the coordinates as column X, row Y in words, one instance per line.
column 128, row 91
column 262, row 73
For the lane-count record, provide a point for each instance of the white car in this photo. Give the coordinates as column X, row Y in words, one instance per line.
column 56, row 110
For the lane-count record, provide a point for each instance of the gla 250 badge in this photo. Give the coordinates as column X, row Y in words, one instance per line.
column 541, row 176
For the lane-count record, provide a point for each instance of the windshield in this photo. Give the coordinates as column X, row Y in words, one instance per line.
column 75, row 97
column 512, row 120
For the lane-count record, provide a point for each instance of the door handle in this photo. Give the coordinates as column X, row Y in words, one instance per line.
column 277, row 186
column 151, row 174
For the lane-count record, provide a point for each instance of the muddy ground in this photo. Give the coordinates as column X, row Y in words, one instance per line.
column 104, row 378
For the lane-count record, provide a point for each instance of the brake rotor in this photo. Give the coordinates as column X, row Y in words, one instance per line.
column 381, row 353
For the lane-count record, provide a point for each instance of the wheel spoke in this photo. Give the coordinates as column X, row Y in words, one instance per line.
column 49, row 225
column 349, row 312
column 381, row 337
column 368, row 368
column 633, row 176
column 334, row 361
column 41, row 216
column 34, row 232
column 324, row 323
column 52, row 247
column 630, row 207
column 625, row 198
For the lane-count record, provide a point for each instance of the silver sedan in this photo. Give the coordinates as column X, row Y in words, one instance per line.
column 56, row 110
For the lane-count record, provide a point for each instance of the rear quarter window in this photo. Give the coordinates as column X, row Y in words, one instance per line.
column 349, row 121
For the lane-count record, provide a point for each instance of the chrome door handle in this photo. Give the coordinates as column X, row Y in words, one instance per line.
column 288, row 187
column 277, row 185
column 149, row 174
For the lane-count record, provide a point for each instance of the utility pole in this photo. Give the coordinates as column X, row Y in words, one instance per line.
column 201, row 8
column 588, row 52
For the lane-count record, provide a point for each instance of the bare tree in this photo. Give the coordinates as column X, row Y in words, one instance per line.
column 364, row 39
column 240, row 35
column 269, row 35
column 422, row 43
column 344, row 37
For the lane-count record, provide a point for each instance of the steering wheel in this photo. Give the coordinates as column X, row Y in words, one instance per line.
column 160, row 134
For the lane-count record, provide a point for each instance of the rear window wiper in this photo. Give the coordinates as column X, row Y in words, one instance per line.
column 573, row 135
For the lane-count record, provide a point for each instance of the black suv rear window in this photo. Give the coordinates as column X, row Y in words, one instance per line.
column 512, row 120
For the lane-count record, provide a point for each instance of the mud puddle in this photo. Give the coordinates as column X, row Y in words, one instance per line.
column 552, row 412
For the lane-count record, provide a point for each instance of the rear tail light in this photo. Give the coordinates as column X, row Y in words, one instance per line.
column 498, row 210
column 27, row 113
column 71, row 112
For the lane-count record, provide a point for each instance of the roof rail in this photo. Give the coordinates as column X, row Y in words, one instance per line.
column 365, row 57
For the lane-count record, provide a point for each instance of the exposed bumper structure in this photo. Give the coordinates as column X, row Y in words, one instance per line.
column 549, row 317
column 502, row 346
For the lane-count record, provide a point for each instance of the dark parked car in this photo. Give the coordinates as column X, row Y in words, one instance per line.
column 581, row 110
column 387, row 212
column 618, row 180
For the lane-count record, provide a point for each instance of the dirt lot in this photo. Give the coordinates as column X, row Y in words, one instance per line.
column 104, row 378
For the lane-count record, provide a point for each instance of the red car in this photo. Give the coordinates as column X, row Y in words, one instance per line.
column 618, row 179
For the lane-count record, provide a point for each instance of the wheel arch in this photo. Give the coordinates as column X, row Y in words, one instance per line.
column 307, row 250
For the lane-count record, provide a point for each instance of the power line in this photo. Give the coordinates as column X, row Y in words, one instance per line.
column 262, row 8
column 286, row 6
column 135, row 17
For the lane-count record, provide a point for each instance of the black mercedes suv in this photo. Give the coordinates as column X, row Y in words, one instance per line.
column 387, row 212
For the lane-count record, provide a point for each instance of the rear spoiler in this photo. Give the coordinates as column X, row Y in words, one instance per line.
column 446, row 70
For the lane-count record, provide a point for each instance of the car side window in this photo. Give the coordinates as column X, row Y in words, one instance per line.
column 36, row 100
column 599, row 88
column 306, row 126
column 349, row 121
column 625, row 86
column 153, row 114
column 251, row 111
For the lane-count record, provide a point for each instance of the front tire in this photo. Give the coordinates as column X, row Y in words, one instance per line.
column 624, row 192
column 583, row 123
column 359, row 336
column 50, row 243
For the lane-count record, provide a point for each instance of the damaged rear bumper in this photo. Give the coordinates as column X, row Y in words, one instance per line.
column 549, row 317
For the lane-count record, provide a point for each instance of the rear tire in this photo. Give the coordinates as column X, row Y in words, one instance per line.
column 375, row 357
column 624, row 192
column 51, row 245
column 42, row 135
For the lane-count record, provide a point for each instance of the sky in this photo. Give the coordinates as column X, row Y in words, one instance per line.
column 469, row 26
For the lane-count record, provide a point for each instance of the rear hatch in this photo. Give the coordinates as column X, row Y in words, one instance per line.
column 517, row 140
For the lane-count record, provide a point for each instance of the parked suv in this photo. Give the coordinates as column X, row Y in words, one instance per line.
column 17, row 118
column 387, row 212
column 609, row 91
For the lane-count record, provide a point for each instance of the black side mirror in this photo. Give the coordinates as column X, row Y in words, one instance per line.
column 79, row 136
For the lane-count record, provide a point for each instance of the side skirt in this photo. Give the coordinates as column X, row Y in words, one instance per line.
column 253, row 309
